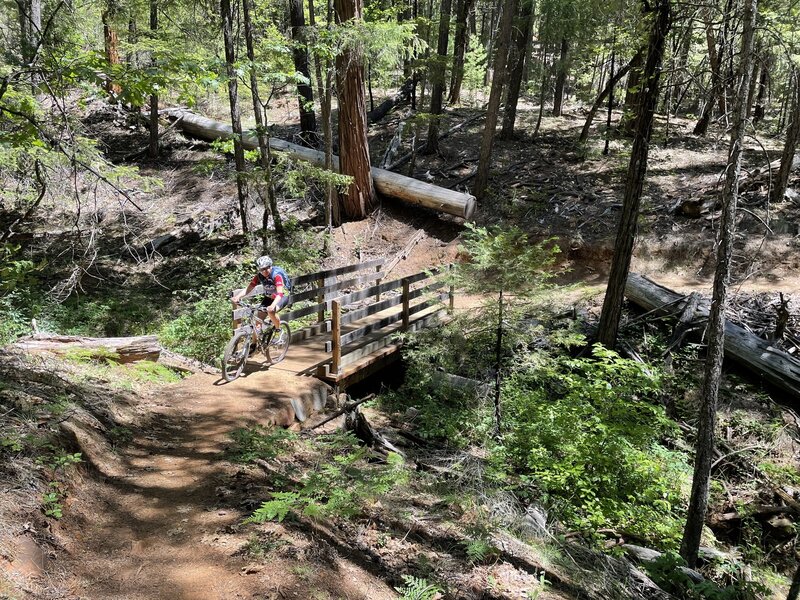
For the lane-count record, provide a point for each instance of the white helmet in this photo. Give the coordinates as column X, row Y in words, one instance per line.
column 263, row 262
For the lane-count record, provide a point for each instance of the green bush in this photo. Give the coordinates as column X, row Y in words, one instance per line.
column 666, row 572
column 104, row 315
column 15, row 316
column 343, row 483
column 586, row 433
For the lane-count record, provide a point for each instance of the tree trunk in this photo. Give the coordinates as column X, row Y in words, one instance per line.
column 262, row 131
column 626, row 232
column 498, row 366
column 610, row 104
column 794, row 591
column 30, row 23
column 236, row 118
column 751, row 91
column 716, row 91
column 682, row 62
column 716, row 321
column 604, row 94
column 633, row 96
column 790, row 146
column 561, row 78
column 432, row 144
column 111, row 44
column 324, row 89
column 305, row 95
column 460, row 46
column 353, row 145
column 522, row 35
column 763, row 85
column 152, row 150
column 758, row 355
column 125, row 349
column 492, row 110
column 542, row 86
column 391, row 184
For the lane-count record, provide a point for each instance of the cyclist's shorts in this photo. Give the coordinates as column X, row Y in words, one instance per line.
column 284, row 301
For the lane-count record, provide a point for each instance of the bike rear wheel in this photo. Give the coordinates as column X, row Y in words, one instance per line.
column 278, row 346
column 235, row 357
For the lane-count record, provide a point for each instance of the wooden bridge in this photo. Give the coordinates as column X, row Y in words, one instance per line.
column 348, row 322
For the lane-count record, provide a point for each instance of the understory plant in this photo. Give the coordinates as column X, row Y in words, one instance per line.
column 586, row 436
column 343, row 481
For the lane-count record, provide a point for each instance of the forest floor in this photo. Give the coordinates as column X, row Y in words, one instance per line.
column 159, row 512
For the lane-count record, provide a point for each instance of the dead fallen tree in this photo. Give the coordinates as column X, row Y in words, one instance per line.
column 387, row 183
column 119, row 349
column 760, row 356
column 403, row 95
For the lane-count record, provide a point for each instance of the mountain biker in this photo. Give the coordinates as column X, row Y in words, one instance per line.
column 277, row 287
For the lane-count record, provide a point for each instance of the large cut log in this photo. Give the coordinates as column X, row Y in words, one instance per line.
column 387, row 183
column 121, row 349
column 759, row 355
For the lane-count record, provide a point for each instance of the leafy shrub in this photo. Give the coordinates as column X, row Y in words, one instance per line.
column 15, row 317
column 105, row 316
column 585, row 434
column 667, row 572
column 343, row 483
column 202, row 331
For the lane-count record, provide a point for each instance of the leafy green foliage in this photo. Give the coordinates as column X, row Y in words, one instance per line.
column 203, row 330
column 480, row 550
column 418, row 588
column 343, row 483
column 586, row 433
column 56, row 462
column 258, row 442
column 504, row 259
column 667, row 572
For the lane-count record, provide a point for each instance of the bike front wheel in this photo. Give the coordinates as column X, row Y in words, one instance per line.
column 236, row 353
column 278, row 346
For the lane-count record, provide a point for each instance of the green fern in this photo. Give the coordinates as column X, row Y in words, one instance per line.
column 418, row 588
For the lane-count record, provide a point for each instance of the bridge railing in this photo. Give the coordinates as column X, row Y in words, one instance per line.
column 415, row 300
column 321, row 287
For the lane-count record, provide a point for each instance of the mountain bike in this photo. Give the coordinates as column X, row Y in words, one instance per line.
column 253, row 335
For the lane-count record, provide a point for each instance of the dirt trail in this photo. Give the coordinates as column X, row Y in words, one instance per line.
column 164, row 519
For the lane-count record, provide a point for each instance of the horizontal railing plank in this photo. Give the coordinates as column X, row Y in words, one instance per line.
column 312, row 277
column 335, row 287
column 385, row 287
column 367, row 349
column 366, row 330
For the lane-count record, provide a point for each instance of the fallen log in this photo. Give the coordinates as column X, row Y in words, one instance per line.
column 402, row 95
column 118, row 349
column 387, row 183
column 775, row 366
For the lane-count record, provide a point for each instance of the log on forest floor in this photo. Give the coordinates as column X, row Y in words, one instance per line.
column 387, row 183
column 120, row 349
column 759, row 355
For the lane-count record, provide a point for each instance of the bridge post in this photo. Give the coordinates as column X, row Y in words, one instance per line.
column 378, row 282
column 321, row 300
column 406, row 315
column 336, row 338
